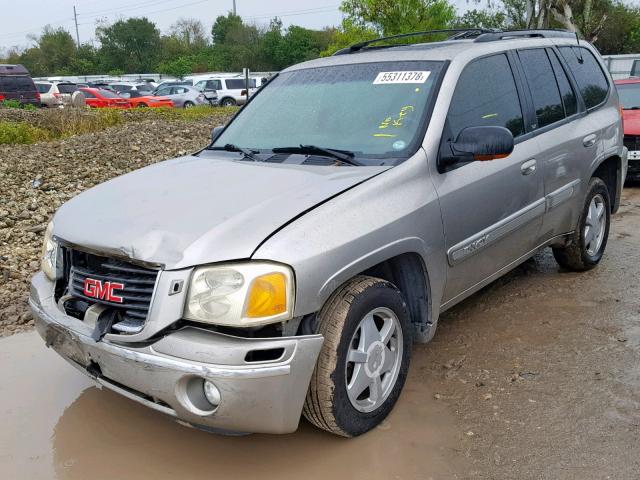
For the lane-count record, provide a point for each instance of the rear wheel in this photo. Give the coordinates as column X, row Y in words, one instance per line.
column 188, row 104
column 364, row 361
column 587, row 244
column 142, row 105
column 228, row 102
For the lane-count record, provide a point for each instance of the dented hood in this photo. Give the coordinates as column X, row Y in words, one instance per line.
column 197, row 210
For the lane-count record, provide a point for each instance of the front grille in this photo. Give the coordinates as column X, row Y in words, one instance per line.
column 136, row 292
column 632, row 142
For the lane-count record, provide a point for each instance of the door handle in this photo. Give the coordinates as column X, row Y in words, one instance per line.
column 529, row 167
column 589, row 140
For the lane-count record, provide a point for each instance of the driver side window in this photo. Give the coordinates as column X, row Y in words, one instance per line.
column 485, row 95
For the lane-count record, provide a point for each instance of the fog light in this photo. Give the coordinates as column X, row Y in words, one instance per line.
column 211, row 393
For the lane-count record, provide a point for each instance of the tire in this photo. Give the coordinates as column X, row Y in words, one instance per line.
column 188, row 105
column 228, row 102
column 343, row 322
column 142, row 105
column 581, row 254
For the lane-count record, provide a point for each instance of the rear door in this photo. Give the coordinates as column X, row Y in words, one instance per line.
column 567, row 138
column 491, row 211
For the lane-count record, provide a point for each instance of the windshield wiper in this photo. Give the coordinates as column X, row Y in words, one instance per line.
column 631, row 108
column 230, row 147
column 344, row 156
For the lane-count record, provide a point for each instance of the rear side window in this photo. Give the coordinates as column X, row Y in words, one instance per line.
column 635, row 70
column 543, row 86
column 235, row 84
column 589, row 76
column 43, row 87
column 486, row 95
column 16, row 84
column 88, row 94
column 566, row 90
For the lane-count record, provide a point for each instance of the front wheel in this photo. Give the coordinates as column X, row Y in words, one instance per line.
column 364, row 360
column 188, row 104
column 586, row 246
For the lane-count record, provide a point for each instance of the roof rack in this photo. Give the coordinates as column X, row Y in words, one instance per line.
column 460, row 33
column 480, row 35
column 508, row 34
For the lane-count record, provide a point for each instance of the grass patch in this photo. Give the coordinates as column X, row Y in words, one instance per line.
column 18, row 126
column 20, row 133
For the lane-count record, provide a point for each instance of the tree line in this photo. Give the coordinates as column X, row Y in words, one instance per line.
column 136, row 45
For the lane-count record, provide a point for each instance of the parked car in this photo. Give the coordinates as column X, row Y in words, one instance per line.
column 229, row 91
column 120, row 87
column 49, row 95
column 173, row 83
column 629, row 91
column 16, row 84
column 101, row 98
column 138, row 100
column 182, row 96
column 288, row 268
column 101, row 84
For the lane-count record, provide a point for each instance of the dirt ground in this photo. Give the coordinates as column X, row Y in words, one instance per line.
column 535, row 377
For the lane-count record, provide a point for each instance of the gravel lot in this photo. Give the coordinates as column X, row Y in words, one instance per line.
column 36, row 179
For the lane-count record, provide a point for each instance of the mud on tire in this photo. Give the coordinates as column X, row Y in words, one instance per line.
column 575, row 255
column 328, row 405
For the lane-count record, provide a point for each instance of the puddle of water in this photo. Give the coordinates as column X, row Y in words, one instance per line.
column 57, row 425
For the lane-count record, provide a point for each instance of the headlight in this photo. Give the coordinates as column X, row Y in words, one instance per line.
column 241, row 295
column 49, row 263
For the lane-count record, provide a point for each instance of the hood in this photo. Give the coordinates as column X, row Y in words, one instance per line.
column 197, row 210
column 631, row 122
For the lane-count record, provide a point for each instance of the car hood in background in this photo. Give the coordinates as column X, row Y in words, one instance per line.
column 631, row 122
column 197, row 210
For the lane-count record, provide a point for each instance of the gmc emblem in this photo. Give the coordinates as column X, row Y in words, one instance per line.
column 102, row 290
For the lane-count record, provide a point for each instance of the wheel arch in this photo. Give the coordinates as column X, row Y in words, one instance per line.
column 610, row 172
column 407, row 270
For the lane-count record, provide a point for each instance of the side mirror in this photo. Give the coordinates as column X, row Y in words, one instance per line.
column 215, row 133
column 478, row 144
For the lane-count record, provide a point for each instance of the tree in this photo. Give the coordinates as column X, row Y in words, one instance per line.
column 190, row 33
column 57, row 50
column 348, row 34
column 130, row 45
column 223, row 25
column 488, row 18
column 399, row 16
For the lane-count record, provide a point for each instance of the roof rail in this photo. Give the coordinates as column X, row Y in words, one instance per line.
column 460, row 33
column 541, row 33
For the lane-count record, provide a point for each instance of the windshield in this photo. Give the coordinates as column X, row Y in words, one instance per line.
column 372, row 109
column 629, row 95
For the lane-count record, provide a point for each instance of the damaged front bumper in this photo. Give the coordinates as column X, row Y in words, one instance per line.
column 256, row 395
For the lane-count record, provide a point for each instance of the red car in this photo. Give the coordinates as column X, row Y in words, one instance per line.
column 138, row 100
column 629, row 92
column 99, row 98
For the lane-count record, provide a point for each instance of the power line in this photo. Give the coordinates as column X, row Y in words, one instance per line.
column 324, row 9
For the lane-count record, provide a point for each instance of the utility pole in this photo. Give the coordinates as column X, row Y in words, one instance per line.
column 234, row 8
column 75, row 19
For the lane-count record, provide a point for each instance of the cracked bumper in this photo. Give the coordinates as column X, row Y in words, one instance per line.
column 262, row 397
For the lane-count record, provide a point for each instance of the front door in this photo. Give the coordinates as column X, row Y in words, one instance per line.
column 491, row 211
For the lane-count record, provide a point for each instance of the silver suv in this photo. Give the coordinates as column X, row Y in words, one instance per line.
column 287, row 268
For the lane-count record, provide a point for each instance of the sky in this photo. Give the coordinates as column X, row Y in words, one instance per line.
column 18, row 22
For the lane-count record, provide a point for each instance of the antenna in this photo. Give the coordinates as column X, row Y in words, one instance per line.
column 580, row 57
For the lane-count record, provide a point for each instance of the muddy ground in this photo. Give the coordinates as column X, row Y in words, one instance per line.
column 535, row 377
